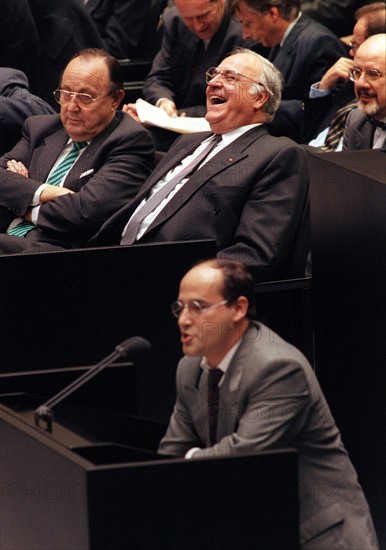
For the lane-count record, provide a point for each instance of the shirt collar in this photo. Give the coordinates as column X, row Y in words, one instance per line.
column 225, row 362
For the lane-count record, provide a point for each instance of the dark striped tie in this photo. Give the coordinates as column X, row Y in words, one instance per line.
column 22, row 228
column 336, row 130
column 214, row 377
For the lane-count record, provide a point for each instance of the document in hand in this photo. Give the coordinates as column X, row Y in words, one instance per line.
column 149, row 114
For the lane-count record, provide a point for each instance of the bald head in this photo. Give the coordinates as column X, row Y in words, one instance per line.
column 370, row 79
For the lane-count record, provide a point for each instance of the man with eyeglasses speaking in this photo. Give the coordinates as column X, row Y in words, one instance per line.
column 241, row 389
column 72, row 171
column 240, row 186
column 366, row 126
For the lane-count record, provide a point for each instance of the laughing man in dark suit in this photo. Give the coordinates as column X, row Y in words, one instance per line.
column 251, row 193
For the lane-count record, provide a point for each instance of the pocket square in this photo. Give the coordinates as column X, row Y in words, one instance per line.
column 87, row 173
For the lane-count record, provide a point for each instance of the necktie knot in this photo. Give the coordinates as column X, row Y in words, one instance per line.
column 78, row 145
column 377, row 123
column 214, row 377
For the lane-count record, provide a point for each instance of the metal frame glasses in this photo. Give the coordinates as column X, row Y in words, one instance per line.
column 229, row 75
column 370, row 74
column 194, row 306
column 64, row 96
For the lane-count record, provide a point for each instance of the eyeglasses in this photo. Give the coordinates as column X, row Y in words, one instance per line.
column 64, row 96
column 370, row 74
column 194, row 307
column 229, row 75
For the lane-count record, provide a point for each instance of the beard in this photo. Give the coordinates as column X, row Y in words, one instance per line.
column 371, row 108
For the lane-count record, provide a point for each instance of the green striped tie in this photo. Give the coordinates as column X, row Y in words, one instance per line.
column 22, row 228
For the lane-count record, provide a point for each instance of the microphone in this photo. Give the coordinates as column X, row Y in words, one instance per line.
column 134, row 348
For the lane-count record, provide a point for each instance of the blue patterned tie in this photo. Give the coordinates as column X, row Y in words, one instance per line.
column 22, row 228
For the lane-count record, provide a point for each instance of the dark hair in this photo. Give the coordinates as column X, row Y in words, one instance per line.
column 238, row 282
column 115, row 70
column 374, row 15
column 289, row 9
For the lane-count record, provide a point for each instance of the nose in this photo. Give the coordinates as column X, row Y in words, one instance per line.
column 73, row 104
column 184, row 317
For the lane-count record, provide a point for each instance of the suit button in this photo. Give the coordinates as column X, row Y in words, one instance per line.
column 216, row 209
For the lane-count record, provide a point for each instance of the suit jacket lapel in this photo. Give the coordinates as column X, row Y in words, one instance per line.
column 363, row 136
column 226, row 158
column 91, row 152
column 284, row 59
column 45, row 157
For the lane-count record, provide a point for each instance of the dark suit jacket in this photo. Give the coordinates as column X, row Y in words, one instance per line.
column 106, row 176
column 172, row 74
column 252, row 198
column 271, row 399
column 16, row 104
column 308, row 51
column 120, row 25
column 19, row 40
column 64, row 28
column 358, row 132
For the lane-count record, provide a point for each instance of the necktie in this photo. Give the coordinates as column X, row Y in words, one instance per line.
column 335, row 132
column 214, row 377
column 156, row 199
column 22, row 228
column 377, row 123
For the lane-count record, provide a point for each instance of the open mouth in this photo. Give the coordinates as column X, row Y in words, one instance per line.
column 217, row 100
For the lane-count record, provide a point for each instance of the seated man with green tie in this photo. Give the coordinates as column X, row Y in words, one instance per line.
column 248, row 192
column 72, row 171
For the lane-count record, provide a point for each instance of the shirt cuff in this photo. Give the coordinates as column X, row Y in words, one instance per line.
column 191, row 452
column 34, row 214
column 315, row 92
column 36, row 198
column 158, row 102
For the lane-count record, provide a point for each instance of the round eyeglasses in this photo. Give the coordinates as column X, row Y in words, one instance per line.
column 370, row 74
column 64, row 96
column 194, row 306
column 229, row 75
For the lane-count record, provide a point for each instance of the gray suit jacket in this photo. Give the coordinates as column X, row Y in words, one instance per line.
column 106, row 176
column 251, row 197
column 358, row 132
column 270, row 399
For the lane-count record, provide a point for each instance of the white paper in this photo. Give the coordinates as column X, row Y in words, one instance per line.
column 154, row 116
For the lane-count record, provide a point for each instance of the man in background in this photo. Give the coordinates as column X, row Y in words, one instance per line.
column 366, row 126
column 299, row 47
column 196, row 35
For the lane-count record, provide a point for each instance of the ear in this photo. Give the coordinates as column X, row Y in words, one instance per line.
column 258, row 95
column 241, row 306
column 274, row 13
column 118, row 98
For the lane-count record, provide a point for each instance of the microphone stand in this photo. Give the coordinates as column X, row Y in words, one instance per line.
column 45, row 411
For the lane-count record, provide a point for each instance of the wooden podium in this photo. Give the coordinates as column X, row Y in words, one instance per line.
column 96, row 483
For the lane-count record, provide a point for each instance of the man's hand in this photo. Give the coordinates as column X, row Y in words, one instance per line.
column 131, row 109
column 169, row 107
column 337, row 72
column 51, row 192
column 17, row 167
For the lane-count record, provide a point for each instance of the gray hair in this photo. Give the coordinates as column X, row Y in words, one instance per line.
column 271, row 80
